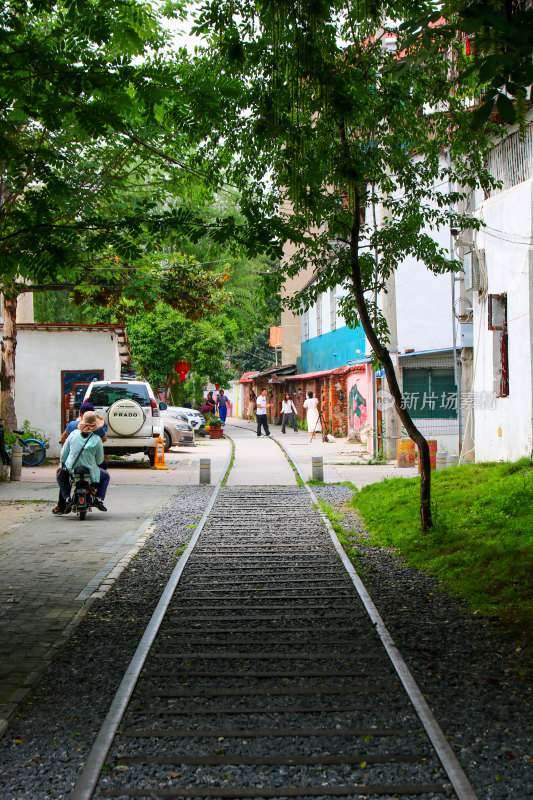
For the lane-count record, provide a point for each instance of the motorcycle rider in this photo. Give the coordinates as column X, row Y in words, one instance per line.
column 84, row 448
column 59, row 509
column 74, row 424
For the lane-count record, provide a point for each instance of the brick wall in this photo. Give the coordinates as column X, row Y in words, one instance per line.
column 275, row 392
column 331, row 392
column 247, row 387
column 339, row 404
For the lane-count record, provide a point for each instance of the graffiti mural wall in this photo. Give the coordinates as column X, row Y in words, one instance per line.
column 358, row 401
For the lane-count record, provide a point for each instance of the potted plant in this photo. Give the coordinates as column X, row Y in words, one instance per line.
column 214, row 426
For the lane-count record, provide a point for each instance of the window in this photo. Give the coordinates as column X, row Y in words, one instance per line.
column 305, row 326
column 319, row 315
column 332, row 310
column 430, row 393
column 106, row 395
column 497, row 323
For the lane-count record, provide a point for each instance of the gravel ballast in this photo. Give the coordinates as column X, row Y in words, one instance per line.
column 470, row 674
column 477, row 680
column 44, row 749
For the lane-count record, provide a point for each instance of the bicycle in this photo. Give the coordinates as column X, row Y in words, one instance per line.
column 33, row 451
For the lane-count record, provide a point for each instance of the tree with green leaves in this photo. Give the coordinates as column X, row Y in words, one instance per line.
column 252, row 307
column 327, row 130
column 101, row 128
column 253, row 353
column 495, row 66
column 164, row 336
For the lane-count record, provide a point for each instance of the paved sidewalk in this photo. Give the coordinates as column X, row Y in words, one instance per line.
column 340, row 457
column 258, row 460
column 51, row 566
column 182, row 463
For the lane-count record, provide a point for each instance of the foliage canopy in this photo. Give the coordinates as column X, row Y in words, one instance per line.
column 354, row 160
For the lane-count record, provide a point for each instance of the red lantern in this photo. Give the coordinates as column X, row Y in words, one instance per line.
column 182, row 368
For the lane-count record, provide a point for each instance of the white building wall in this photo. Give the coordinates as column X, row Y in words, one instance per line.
column 233, row 395
column 423, row 305
column 424, row 301
column 504, row 431
column 41, row 356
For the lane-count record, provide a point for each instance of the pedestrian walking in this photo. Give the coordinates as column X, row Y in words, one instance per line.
column 313, row 417
column 261, row 413
column 288, row 410
column 222, row 406
column 209, row 405
column 251, row 404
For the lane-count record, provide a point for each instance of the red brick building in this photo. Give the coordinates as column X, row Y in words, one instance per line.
column 343, row 408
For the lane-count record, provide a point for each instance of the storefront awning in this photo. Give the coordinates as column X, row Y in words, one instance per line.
column 276, row 372
column 304, row 376
column 247, row 377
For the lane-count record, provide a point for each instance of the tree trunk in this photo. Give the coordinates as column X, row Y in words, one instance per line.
column 168, row 389
column 384, row 357
column 7, row 367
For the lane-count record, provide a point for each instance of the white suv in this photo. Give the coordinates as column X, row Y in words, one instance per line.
column 131, row 414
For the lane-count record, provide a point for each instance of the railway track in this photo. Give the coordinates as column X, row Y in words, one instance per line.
column 265, row 675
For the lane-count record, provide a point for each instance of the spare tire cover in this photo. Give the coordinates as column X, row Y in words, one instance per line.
column 125, row 417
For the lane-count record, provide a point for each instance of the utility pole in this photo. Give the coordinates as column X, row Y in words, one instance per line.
column 391, row 420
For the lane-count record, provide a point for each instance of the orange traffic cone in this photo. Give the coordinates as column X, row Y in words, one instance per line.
column 159, row 462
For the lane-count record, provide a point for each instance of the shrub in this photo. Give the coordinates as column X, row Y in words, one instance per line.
column 34, row 433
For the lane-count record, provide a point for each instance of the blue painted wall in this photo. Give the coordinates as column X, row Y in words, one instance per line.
column 332, row 350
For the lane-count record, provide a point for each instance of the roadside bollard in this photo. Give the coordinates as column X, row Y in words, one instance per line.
column 205, row 470
column 318, row 468
column 441, row 459
column 16, row 462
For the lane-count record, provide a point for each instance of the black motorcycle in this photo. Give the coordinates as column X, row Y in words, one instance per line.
column 82, row 497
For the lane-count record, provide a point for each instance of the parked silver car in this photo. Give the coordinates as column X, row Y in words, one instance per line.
column 192, row 416
column 176, row 428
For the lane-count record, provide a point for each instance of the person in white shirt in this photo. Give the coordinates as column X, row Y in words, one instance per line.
column 288, row 410
column 313, row 414
column 261, row 413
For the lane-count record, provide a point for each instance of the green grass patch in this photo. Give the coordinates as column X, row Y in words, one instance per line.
column 230, row 465
column 345, row 537
column 299, row 481
column 481, row 544
column 349, row 484
column 379, row 458
column 26, row 502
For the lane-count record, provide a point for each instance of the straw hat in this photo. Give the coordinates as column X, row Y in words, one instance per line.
column 90, row 422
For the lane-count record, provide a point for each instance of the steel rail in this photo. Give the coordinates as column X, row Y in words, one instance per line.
column 458, row 778
column 90, row 774
column 86, row 783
